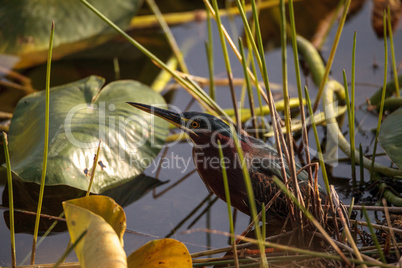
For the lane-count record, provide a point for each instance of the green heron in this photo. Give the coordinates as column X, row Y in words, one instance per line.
column 262, row 160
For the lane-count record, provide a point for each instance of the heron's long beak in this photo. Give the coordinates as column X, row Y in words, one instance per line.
column 169, row 116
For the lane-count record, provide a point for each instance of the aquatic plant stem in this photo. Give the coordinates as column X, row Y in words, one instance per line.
column 228, row 202
column 349, row 114
column 227, row 63
column 169, row 35
column 94, row 164
column 331, row 55
column 250, row 194
column 45, row 147
column 259, row 53
column 333, row 87
column 69, row 249
column 209, row 47
column 249, row 88
column 288, row 123
column 382, row 97
column 204, row 99
column 391, row 41
column 317, row 142
column 373, row 235
column 352, row 113
column 10, row 199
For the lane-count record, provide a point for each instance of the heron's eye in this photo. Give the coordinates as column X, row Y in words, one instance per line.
column 195, row 124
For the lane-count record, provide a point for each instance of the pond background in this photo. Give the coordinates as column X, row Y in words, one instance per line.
column 156, row 217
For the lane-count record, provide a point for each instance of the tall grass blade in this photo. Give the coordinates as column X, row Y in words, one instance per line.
column 331, row 55
column 169, row 35
column 299, row 90
column 288, row 125
column 69, row 249
column 207, row 102
column 391, row 41
column 249, row 88
column 382, row 97
column 210, row 56
column 45, row 148
column 250, row 194
column 361, row 164
column 317, row 141
column 264, row 73
column 94, row 165
column 373, row 235
column 352, row 113
column 351, row 122
column 10, row 199
column 228, row 202
column 227, row 62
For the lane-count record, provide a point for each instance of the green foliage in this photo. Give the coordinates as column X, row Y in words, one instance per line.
column 81, row 114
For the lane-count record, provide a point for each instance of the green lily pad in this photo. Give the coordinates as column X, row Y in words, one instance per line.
column 25, row 26
column 390, row 137
column 81, row 113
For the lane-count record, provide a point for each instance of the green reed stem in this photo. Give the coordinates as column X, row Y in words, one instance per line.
column 209, row 47
column 94, row 165
column 331, row 55
column 382, row 97
column 10, row 199
column 249, row 87
column 295, row 53
column 352, row 149
column 352, row 113
column 299, row 88
column 361, row 164
column 204, row 99
column 116, row 68
column 45, row 147
column 164, row 77
column 226, row 186
column 227, row 195
column 263, row 220
column 69, row 249
column 373, row 235
column 227, row 61
column 43, row 237
column 254, row 70
column 288, row 123
column 250, row 194
column 317, row 142
column 391, row 41
column 260, row 56
column 169, row 35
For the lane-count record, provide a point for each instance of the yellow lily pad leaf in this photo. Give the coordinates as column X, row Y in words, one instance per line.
column 106, row 208
column 105, row 223
column 161, row 253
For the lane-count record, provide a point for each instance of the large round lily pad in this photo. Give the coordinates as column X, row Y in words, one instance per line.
column 82, row 113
